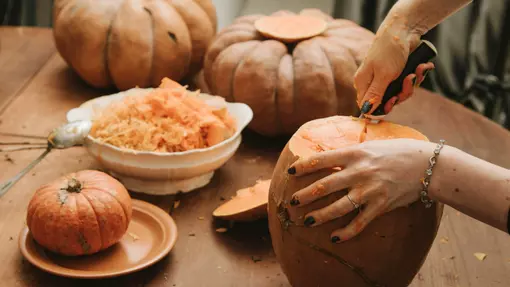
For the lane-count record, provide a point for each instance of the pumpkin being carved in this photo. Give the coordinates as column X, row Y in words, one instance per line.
column 388, row 252
column 80, row 213
column 288, row 68
column 126, row 43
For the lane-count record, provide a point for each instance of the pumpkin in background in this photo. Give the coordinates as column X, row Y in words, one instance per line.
column 288, row 68
column 388, row 252
column 80, row 213
column 126, row 43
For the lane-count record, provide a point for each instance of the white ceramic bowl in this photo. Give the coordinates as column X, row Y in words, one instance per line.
column 156, row 172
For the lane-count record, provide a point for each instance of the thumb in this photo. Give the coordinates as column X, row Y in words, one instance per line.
column 375, row 91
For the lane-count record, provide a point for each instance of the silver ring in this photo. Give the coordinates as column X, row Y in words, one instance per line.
column 356, row 206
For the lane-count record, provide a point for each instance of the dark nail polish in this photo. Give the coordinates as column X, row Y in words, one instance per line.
column 309, row 221
column 367, row 106
column 292, row 170
column 335, row 239
column 294, row 201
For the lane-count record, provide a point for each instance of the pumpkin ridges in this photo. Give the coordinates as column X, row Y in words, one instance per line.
column 313, row 88
column 106, row 217
column 254, row 83
column 248, row 27
column 343, row 67
column 176, row 50
column 121, row 62
column 33, row 207
column 250, row 19
column 225, row 66
column 90, row 68
column 222, row 43
column 210, row 10
column 201, row 33
column 285, row 90
column 127, row 210
column 314, row 12
column 89, row 223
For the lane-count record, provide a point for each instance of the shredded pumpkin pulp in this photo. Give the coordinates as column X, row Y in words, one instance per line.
column 167, row 119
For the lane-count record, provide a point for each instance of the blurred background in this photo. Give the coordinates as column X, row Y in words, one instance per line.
column 472, row 67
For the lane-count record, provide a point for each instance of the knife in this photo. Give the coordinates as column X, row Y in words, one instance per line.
column 422, row 54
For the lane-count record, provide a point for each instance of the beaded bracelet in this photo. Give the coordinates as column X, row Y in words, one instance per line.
column 428, row 174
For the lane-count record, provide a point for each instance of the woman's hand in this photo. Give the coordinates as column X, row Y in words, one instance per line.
column 379, row 176
column 384, row 62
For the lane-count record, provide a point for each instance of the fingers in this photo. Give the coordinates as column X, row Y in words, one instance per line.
column 410, row 82
column 333, row 211
column 362, row 80
column 375, row 91
column 369, row 213
column 327, row 185
column 318, row 161
column 422, row 71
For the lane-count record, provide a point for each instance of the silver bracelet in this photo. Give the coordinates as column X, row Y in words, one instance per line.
column 428, row 174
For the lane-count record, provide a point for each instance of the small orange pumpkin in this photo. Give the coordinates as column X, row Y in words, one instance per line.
column 80, row 213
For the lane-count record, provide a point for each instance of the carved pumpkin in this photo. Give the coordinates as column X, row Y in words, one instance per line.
column 80, row 213
column 288, row 68
column 126, row 43
column 388, row 252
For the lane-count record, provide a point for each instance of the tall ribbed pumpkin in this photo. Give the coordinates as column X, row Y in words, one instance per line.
column 128, row 43
column 288, row 68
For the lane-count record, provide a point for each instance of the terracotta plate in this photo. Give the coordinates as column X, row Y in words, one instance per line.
column 150, row 237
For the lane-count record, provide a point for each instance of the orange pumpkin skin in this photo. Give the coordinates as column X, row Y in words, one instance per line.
column 80, row 213
column 388, row 252
column 287, row 85
column 125, row 43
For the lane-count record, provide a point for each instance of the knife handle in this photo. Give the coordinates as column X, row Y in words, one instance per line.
column 422, row 54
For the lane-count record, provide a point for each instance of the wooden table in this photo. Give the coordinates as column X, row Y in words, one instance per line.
column 37, row 89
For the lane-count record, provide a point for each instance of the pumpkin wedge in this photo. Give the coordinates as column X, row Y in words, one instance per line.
column 249, row 204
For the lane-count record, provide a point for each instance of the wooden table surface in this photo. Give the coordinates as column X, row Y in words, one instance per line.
column 37, row 89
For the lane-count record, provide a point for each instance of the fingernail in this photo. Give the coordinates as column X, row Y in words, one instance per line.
column 367, row 106
column 292, row 170
column 294, row 201
column 309, row 221
column 335, row 239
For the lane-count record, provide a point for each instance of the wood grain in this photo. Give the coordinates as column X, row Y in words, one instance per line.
column 203, row 257
column 23, row 51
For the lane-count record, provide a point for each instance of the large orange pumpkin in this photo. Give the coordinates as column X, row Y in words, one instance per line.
column 80, row 213
column 126, row 43
column 288, row 68
column 388, row 252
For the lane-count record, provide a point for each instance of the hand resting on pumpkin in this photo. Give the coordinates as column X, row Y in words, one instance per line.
column 384, row 175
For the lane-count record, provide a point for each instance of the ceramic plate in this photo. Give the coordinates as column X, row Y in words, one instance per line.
column 150, row 236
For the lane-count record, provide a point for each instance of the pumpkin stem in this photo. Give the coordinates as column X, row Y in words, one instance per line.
column 74, row 185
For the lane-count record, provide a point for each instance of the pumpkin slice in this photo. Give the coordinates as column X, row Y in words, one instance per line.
column 290, row 28
column 249, row 204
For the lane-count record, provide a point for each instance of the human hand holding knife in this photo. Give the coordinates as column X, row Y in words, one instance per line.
column 422, row 54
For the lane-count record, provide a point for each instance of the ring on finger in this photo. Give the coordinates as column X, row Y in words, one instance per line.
column 356, row 206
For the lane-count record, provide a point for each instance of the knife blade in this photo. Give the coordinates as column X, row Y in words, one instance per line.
column 424, row 53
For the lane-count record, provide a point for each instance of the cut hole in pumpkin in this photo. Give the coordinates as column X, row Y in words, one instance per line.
column 290, row 28
column 249, row 204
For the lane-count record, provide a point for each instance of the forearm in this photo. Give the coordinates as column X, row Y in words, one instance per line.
column 422, row 15
column 472, row 186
